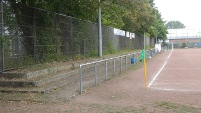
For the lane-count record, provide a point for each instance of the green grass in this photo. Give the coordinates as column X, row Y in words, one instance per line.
column 164, row 107
column 24, row 97
column 116, row 109
column 176, row 108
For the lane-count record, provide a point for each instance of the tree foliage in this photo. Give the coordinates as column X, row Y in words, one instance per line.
column 158, row 28
column 175, row 25
column 134, row 16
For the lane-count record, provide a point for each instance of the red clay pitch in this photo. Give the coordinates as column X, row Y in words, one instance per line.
column 182, row 71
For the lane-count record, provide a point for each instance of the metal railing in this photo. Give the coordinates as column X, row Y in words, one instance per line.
column 93, row 73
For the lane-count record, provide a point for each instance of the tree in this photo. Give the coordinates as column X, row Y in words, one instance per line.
column 175, row 25
column 112, row 14
column 131, row 15
column 158, row 28
column 137, row 15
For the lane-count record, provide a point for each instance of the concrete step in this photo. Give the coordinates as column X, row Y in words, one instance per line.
column 38, row 81
column 33, row 74
column 41, row 89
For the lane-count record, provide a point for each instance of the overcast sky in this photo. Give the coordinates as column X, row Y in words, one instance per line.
column 186, row 11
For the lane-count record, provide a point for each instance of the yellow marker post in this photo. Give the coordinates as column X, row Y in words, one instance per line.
column 143, row 58
column 145, row 73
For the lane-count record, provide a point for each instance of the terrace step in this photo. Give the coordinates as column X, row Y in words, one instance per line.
column 38, row 81
column 36, row 73
column 42, row 89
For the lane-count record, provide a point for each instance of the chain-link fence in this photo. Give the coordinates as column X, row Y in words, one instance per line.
column 189, row 44
column 31, row 36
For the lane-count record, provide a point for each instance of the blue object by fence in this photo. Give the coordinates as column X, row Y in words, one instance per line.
column 133, row 60
column 151, row 53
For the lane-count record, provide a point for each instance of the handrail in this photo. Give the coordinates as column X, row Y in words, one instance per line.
column 106, row 65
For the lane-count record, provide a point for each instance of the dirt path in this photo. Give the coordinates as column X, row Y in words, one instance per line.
column 121, row 94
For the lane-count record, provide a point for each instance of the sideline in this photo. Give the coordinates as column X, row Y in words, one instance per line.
column 153, row 80
column 178, row 90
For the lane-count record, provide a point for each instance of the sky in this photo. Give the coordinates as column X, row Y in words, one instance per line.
column 187, row 12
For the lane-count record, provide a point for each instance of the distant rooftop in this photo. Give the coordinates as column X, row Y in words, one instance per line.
column 183, row 33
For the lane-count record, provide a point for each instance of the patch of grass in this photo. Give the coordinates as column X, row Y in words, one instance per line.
column 68, row 111
column 105, row 108
column 24, row 97
column 117, row 109
column 132, row 110
column 110, row 47
column 177, row 108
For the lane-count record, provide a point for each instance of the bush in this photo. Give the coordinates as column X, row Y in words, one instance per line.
column 183, row 45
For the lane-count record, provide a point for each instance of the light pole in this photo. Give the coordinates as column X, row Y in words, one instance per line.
column 197, row 38
column 156, row 21
column 186, row 37
column 198, row 34
column 99, row 30
column 171, row 38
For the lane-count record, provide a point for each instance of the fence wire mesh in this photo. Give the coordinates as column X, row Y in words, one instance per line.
column 32, row 36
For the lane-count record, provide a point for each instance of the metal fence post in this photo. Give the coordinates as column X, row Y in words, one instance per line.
column 95, row 73
column 84, row 48
column 18, row 48
column 106, row 75
column 114, row 66
column 125, row 62
column 34, row 34
column 120, row 64
column 1, row 33
column 80, row 79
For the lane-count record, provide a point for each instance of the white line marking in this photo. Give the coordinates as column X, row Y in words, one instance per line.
column 179, row 90
column 157, row 75
column 170, row 55
column 159, row 70
column 184, row 68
